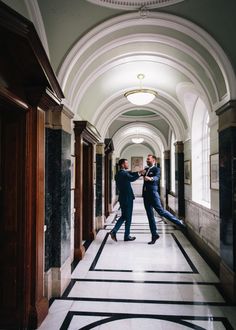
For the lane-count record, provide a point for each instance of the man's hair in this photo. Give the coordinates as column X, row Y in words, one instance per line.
column 153, row 156
column 121, row 161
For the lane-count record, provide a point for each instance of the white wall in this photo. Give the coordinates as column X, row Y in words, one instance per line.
column 137, row 150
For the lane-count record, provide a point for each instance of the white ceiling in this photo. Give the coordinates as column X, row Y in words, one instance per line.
column 176, row 57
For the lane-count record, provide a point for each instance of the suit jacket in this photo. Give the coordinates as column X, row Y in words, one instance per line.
column 123, row 179
column 151, row 187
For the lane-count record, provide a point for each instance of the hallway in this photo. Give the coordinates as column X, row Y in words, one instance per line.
column 132, row 285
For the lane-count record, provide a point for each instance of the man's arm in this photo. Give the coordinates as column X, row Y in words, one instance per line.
column 131, row 176
column 156, row 176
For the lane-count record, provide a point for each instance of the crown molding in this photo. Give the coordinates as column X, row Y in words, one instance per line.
column 36, row 17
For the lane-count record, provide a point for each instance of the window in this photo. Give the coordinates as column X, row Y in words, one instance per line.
column 200, row 155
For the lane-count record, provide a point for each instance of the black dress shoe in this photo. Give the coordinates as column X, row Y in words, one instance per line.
column 113, row 236
column 129, row 238
column 154, row 238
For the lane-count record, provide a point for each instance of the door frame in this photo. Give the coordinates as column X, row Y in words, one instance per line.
column 85, row 134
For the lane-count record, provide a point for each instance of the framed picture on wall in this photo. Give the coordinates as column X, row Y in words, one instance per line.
column 136, row 164
column 187, row 172
column 214, row 171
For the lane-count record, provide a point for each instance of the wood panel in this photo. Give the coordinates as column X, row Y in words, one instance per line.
column 12, row 217
column 88, row 193
column 86, row 136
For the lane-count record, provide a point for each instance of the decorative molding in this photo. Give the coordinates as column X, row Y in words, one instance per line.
column 168, row 20
column 134, row 4
column 146, row 118
column 70, row 114
column 77, row 89
column 166, row 154
column 87, row 130
column 227, row 115
column 114, row 108
column 36, row 17
column 15, row 100
column 152, row 137
column 179, row 147
column 29, row 46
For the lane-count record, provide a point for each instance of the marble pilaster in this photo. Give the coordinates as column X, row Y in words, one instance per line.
column 99, row 184
column 179, row 178
column 57, row 201
column 167, row 174
column 227, row 179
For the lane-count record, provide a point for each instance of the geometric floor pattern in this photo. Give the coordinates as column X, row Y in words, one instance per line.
column 133, row 285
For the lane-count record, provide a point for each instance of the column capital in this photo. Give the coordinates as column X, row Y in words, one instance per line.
column 100, row 148
column 59, row 117
column 179, row 147
column 166, row 154
column 227, row 115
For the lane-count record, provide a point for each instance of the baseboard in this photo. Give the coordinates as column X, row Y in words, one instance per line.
column 56, row 279
column 208, row 254
column 228, row 282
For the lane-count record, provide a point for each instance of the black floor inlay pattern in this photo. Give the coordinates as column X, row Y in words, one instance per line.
column 112, row 317
column 187, row 258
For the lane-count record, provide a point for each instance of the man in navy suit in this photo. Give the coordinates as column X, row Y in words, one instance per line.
column 126, row 197
column 152, row 199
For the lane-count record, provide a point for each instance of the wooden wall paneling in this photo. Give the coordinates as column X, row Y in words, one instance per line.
column 108, row 176
column 34, row 238
column 106, row 185
column 12, row 306
column 88, row 192
column 86, row 136
column 30, row 87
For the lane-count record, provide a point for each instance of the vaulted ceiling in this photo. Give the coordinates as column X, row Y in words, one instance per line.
column 98, row 49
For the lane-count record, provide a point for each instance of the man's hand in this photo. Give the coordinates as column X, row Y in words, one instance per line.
column 148, row 178
column 142, row 172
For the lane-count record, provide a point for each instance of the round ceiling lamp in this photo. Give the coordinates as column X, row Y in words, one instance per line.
column 141, row 96
column 137, row 140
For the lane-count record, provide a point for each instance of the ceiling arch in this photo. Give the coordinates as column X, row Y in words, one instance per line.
column 151, row 135
column 116, row 107
column 211, row 56
column 168, row 50
column 130, row 147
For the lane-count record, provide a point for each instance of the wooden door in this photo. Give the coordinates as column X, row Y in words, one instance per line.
column 88, row 192
column 12, row 200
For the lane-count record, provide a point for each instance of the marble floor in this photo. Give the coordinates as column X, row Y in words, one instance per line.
column 133, row 285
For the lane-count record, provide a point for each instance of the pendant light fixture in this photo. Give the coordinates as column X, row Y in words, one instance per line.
column 140, row 96
column 137, row 139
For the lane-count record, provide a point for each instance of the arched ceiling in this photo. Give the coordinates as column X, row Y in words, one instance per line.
column 98, row 51
column 134, row 4
column 153, row 138
column 168, row 50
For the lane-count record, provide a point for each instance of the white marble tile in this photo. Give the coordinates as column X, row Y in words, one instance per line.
column 165, row 255
column 79, row 321
column 53, row 321
column 60, row 306
column 143, row 291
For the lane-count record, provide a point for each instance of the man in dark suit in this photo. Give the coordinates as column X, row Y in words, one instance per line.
column 126, row 197
column 152, row 200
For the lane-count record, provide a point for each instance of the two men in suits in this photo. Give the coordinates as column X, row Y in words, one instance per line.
column 152, row 200
column 126, row 197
